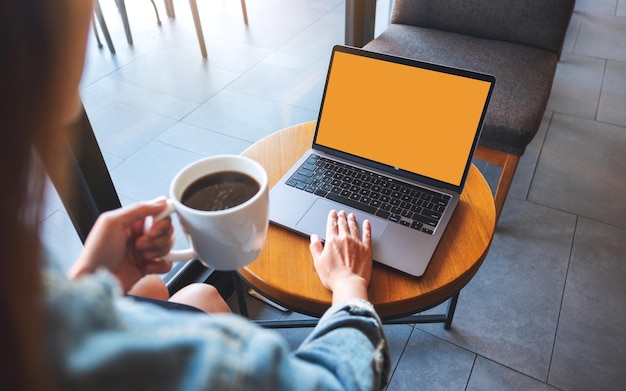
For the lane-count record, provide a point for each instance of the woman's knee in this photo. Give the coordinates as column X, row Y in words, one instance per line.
column 203, row 296
column 151, row 286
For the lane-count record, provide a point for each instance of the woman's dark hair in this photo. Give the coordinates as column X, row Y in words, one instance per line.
column 31, row 35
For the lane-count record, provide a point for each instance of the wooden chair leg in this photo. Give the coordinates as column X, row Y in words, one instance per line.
column 506, row 178
column 509, row 163
column 156, row 11
column 103, row 26
column 95, row 32
column 169, row 8
column 121, row 6
column 245, row 11
column 196, row 21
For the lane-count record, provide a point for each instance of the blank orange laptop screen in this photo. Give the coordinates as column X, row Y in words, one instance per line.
column 414, row 119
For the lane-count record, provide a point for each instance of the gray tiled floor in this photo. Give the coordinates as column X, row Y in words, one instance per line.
column 546, row 310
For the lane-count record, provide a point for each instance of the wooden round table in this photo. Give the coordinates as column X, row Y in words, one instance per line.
column 284, row 270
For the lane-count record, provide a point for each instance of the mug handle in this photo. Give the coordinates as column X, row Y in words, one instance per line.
column 173, row 255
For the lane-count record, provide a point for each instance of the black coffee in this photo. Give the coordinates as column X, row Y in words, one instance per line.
column 220, row 190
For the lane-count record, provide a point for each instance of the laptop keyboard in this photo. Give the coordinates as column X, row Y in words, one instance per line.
column 385, row 197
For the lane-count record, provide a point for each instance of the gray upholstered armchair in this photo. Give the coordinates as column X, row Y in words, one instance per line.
column 518, row 41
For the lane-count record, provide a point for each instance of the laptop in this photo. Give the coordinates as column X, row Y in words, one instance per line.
column 393, row 144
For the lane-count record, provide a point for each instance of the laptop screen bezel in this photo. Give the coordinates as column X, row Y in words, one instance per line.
column 416, row 63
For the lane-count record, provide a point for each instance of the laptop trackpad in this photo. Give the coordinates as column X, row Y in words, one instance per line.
column 314, row 220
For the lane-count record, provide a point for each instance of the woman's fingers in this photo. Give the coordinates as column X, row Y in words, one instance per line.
column 367, row 235
column 352, row 224
column 331, row 224
column 316, row 246
column 342, row 223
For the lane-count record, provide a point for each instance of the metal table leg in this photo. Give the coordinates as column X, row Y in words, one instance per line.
column 445, row 318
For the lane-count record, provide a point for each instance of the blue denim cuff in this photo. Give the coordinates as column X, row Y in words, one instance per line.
column 353, row 307
column 360, row 315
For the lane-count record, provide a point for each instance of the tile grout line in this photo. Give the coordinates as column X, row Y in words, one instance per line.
column 556, row 331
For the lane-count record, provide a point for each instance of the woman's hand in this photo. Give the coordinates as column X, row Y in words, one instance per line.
column 118, row 243
column 344, row 262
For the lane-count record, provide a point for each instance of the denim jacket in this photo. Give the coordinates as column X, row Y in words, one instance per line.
column 100, row 340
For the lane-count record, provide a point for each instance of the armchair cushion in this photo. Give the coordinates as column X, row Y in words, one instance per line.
column 537, row 23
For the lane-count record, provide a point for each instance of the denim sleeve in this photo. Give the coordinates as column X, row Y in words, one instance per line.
column 99, row 340
column 347, row 350
column 350, row 343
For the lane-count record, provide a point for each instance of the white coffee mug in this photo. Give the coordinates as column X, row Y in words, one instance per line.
column 222, row 239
